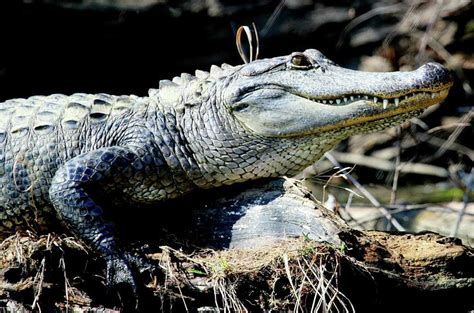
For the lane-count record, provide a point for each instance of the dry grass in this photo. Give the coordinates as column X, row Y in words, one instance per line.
column 303, row 276
column 30, row 254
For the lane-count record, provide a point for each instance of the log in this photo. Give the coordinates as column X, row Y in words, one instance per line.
column 269, row 246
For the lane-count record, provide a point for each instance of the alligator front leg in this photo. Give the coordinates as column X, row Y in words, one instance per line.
column 70, row 194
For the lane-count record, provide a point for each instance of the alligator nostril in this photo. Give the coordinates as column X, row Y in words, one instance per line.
column 438, row 72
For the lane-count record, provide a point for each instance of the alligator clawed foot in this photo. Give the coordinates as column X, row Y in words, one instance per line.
column 143, row 266
column 122, row 283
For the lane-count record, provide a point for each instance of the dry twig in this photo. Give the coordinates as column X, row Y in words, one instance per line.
column 468, row 187
column 368, row 195
column 238, row 42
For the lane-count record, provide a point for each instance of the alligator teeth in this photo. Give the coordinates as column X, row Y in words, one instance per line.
column 352, row 98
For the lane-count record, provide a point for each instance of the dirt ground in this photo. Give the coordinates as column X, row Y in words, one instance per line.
column 55, row 273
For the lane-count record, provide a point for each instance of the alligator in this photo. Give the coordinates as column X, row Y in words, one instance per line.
column 65, row 159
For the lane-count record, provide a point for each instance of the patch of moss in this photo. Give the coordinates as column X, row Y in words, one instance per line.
column 469, row 28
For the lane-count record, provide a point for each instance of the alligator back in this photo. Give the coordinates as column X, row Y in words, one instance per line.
column 39, row 134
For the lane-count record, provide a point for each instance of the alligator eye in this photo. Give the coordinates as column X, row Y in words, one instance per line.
column 301, row 61
column 240, row 106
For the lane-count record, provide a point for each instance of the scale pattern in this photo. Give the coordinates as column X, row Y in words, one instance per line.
column 37, row 136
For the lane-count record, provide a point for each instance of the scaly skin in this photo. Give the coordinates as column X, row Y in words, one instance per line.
column 66, row 156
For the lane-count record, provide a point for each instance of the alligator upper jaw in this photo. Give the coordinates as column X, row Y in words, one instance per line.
column 411, row 90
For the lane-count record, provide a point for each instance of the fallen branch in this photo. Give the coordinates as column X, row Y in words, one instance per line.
column 385, row 165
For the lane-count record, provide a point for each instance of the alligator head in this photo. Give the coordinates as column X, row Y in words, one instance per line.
column 273, row 117
column 305, row 93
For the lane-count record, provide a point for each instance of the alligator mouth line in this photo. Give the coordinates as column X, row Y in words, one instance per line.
column 392, row 102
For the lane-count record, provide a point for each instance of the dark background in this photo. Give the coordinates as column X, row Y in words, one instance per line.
column 123, row 47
